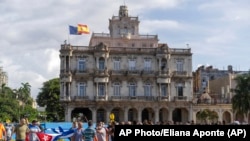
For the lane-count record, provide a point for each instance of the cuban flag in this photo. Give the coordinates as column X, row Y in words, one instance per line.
column 61, row 134
column 45, row 137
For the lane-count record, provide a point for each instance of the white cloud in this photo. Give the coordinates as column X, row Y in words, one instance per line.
column 32, row 32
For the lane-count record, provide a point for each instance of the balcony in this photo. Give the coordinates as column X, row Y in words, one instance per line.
column 65, row 98
column 133, row 98
column 100, row 98
column 146, row 98
column 80, row 98
column 101, row 72
column 179, row 73
column 133, row 71
column 163, row 98
column 147, row 72
column 117, row 72
column 180, row 98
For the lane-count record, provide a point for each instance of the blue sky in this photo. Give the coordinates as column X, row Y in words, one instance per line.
column 217, row 31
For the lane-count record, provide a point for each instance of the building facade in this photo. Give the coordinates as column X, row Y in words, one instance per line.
column 3, row 77
column 129, row 75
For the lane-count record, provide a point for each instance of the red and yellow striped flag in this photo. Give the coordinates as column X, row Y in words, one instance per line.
column 82, row 29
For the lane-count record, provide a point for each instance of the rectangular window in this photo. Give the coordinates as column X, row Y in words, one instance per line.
column 131, row 64
column 101, row 89
column 132, row 90
column 81, row 65
column 81, row 89
column 101, row 64
column 179, row 65
column 147, row 90
column 116, row 89
column 179, row 90
column 164, row 90
column 117, row 64
column 147, row 64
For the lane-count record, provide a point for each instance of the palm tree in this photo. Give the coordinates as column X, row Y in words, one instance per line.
column 6, row 91
column 241, row 99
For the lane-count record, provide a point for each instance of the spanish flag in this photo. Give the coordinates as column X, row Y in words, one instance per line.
column 80, row 29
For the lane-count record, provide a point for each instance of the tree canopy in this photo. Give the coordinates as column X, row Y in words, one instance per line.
column 241, row 99
column 16, row 103
column 49, row 97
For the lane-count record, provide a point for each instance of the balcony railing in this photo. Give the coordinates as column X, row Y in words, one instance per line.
column 128, row 98
column 79, row 98
column 163, row 98
column 100, row 97
column 213, row 101
column 180, row 98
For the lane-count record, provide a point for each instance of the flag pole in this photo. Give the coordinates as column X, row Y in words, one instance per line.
column 68, row 36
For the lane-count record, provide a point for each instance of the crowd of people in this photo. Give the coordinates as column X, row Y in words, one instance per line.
column 24, row 131
column 98, row 133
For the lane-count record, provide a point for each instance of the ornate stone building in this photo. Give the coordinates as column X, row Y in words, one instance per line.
column 130, row 75
column 3, row 77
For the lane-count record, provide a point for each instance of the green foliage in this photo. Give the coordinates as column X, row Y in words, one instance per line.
column 8, row 108
column 206, row 115
column 49, row 97
column 16, row 103
column 241, row 99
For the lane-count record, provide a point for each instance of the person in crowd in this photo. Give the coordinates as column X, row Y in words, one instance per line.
column 111, row 130
column 33, row 129
column 2, row 132
column 74, row 127
column 40, row 126
column 78, row 134
column 21, row 130
column 101, row 132
column 9, row 130
column 89, row 133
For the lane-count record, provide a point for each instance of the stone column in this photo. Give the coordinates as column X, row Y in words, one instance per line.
column 97, row 63
column 106, row 91
column 108, row 112
column 170, row 114
column 139, row 109
column 190, row 113
column 67, row 113
column 159, row 65
column 156, row 111
column 93, row 111
column 125, row 114
column 69, row 90
column 96, row 90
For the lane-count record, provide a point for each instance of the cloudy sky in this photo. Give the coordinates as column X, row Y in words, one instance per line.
column 217, row 31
